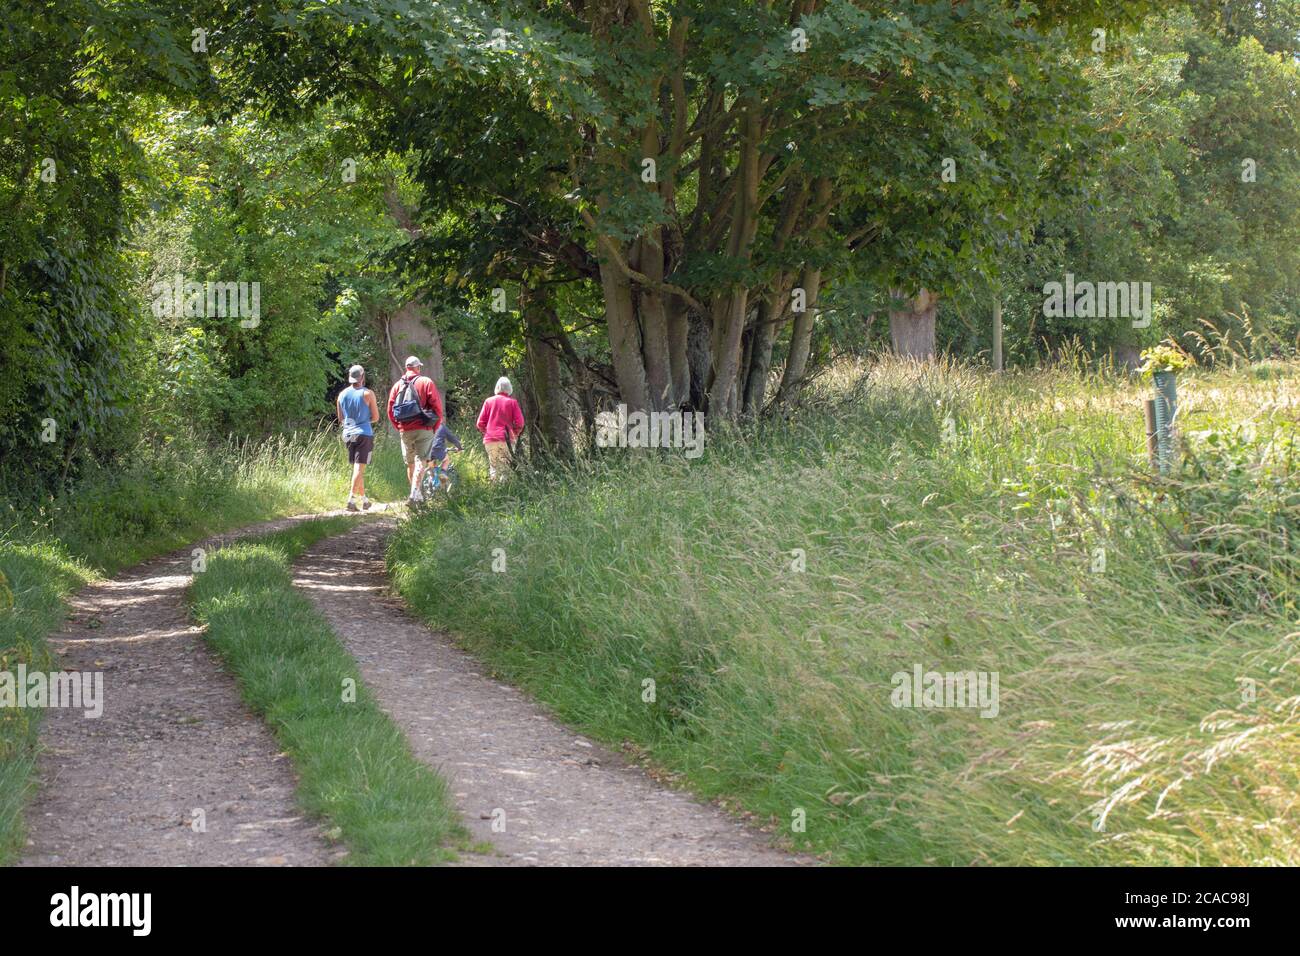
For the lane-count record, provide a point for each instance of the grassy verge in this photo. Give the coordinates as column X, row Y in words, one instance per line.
column 170, row 495
column 1144, row 638
column 36, row 578
column 355, row 769
column 165, row 498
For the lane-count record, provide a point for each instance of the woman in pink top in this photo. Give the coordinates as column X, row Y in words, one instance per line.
column 500, row 418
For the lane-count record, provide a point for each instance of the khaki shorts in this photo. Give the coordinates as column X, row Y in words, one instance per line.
column 416, row 442
column 498, row 459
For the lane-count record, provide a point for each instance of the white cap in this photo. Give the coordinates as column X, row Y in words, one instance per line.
column 413, row 361
column 356, row 373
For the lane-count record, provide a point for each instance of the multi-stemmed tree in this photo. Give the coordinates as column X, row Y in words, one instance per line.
column 711, row 165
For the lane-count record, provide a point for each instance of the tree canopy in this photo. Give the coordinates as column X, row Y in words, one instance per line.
column 660, row 204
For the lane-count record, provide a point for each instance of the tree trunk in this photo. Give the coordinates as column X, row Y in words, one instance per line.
column 679, row 365
column 810, row 280
column 583, row 385
column 770, row 311
column 410, row 331
column 772, row 307
column 730, row 308
column 728, row 325
column 653, row 314
column 649, row 260
column 911, row 329
column 654, row 329
column 997, row 334
column 624, row 337
column 796, row 363
column 540, row 325
column 699, row 356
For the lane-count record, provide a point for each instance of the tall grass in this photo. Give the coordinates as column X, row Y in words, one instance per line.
column 168, row 494
column 941, row 517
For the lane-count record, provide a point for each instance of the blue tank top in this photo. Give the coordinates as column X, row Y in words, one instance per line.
column 356, row 412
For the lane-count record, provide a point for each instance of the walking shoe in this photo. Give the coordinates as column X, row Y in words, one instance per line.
column 352, row 505
column 365, row 504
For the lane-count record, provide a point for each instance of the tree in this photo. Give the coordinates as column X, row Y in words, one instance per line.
column 709, row 157
column 75, row 80
column 287, row 209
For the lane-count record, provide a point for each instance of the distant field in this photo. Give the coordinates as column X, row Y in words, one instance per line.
column 1142, row 633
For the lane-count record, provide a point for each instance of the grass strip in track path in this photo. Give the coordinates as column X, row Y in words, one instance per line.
column 356, row 771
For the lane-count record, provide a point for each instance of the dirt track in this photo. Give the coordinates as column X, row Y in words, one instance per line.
column 175, row 737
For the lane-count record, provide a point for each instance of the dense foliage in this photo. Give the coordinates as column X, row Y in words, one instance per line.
column 689, row 203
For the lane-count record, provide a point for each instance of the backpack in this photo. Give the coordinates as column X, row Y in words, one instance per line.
column 407, row 408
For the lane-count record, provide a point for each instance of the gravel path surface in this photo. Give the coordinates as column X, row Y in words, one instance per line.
column 175, row 737
column 562, row 799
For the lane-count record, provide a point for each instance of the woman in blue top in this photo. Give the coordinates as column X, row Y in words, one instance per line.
column 358, row 413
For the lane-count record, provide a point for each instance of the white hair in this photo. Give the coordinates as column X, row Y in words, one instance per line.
column 503, row 385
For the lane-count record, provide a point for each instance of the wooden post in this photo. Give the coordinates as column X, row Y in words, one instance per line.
column 997, row 334
column 1153, row 440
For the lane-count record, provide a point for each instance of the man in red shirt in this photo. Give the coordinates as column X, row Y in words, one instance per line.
column 416, row 394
